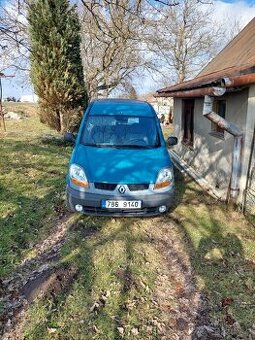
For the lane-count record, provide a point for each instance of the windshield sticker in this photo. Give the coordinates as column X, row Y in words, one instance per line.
column 133, row 120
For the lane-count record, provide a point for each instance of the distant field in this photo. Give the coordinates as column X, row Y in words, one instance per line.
column 29, row 109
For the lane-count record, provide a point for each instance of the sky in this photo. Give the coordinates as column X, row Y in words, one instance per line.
column 242, row 11
column 230, row 11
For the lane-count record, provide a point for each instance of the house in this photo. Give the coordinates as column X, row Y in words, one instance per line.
column 30, row 98
column 162, row 105
column 214, row 120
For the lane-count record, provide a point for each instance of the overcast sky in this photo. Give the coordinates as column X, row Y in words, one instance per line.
column 242, row 11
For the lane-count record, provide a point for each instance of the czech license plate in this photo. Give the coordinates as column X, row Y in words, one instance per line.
column 111, row 204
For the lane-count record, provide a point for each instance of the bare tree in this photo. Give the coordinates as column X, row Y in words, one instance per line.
column 186, row 38
column 125, row 40
column 127, row 91
column 111, row 44
column 14, row 43
column 233, row 28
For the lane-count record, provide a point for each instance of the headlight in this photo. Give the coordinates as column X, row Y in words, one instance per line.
column 165, row 178
column 77, row 176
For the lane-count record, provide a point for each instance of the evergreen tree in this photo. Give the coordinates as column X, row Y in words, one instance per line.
column 56, row 66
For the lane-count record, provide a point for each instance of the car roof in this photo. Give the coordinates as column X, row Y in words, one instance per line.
column 121, row 107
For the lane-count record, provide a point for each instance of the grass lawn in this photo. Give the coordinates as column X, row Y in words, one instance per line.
column 32, row 176
column 131, row 274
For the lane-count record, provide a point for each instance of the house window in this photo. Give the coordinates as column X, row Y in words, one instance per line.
column 188, row 121
column 220, row 109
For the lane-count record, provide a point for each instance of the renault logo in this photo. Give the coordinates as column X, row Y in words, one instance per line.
column 122, row 189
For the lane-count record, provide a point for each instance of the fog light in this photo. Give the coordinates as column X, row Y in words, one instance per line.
column 162, row 209
column 78, row 207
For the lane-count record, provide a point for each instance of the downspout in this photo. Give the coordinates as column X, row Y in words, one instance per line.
column 238, row 138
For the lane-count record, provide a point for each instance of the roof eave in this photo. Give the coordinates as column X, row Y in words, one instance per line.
column 209, row 87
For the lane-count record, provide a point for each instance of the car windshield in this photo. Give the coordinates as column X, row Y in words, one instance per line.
column 120, row 131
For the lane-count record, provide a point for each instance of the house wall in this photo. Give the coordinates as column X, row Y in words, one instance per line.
column 163, row 106
column 249, row 200
column 249, row 194
column 210, row 156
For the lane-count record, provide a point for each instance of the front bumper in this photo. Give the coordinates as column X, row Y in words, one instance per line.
column 91, row 202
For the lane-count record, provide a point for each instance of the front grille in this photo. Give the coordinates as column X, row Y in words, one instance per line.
column 111, row 186
column 136, row 187
column 110, row 212
column 105, row 186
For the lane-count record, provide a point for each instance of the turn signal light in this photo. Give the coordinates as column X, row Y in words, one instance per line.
column 161, row 185
column 79, row 183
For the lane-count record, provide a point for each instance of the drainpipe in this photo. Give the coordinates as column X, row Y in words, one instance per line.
column 238, row 138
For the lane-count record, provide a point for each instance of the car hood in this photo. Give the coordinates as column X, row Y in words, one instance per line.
column 122, row 166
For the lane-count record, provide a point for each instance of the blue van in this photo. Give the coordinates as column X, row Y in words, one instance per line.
column 120, row 165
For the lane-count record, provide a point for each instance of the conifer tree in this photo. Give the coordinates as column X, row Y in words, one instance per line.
column 56, row 66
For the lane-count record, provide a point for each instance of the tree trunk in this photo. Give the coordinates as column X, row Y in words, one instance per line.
column 61, row 122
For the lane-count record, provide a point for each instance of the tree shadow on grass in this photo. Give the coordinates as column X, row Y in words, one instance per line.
column 220, row 272
column 179, row 190
column 32, row 189
column 87, row 309
column 22, row 156
column 107, row 289
column 224, row 277
column 91, row 248
column 21, row 228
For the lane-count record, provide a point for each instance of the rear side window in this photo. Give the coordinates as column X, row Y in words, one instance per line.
column 121, row 131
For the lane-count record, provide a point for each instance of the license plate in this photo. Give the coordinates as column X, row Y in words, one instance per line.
column 111, row 204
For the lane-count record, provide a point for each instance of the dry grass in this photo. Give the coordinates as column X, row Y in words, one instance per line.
column 29, row 109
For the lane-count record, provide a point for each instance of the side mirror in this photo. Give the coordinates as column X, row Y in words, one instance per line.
column 171, row 141
column 69, row 137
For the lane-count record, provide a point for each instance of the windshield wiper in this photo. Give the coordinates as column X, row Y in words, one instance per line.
column 124, row 146
column 100, row 145
column 130, row 146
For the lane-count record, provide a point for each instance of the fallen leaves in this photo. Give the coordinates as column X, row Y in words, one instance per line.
column 100, row 303
column 120, row 330
column 226, row 302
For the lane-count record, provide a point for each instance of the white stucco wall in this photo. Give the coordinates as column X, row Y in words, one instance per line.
column 31, row 98
column 210, row 156
column 248, row 134
column 163, row 106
